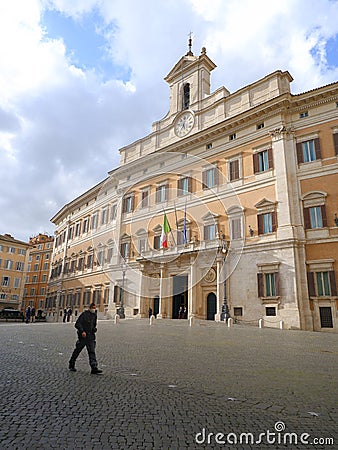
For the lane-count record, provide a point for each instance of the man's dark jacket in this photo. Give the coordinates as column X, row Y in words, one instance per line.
column 86, row 322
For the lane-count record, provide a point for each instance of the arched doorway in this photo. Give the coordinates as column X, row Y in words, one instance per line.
column 211, row 306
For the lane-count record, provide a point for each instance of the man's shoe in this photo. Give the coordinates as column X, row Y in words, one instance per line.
column 96, row 371
column 71, row 368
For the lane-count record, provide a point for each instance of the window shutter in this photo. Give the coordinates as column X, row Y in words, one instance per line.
column 234, row 170
column 335, row 141
column 166, row 191
column 311, row 284
column 300, row 156
column 216, row 169
column 124, row 206
column 317, row 149
column 132, row 204
column 324, row 217
column 179, row 187
column 333, row 284
column 277, row 280
column 274, row 221
column 270, row 158
column 260, row 285
column 158, row 194
column 307, row 220
column 256, row 162
column 204, row 179
column 260, row 224
column 190, row 184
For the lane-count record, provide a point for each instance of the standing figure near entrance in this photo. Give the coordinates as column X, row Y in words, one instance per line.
column 86, row 329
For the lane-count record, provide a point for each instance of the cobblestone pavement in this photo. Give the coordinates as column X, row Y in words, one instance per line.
column 168, row 386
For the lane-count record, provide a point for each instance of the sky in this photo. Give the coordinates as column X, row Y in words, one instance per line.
column 79, row 79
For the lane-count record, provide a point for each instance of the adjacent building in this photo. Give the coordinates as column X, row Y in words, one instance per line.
column 38, row 268
column 228, row 207
column 13, row 264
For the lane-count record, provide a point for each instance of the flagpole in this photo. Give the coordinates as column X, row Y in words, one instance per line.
column 171, row 231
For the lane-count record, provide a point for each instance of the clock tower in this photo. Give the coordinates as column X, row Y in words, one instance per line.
column 189, row 81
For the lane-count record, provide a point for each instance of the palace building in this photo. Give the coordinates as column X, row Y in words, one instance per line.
column 228, row 208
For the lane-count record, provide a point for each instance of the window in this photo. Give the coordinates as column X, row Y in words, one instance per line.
column 304, row 114
column 17, row 282
column 45, row 266
column 267, row 223
column 94, row 221
column 77, row 229
column 210, row 178
column 270, row 311
column 322, row 283
column 37, row 258
column 236, row 228
column 162, row 193
column 232, row 137
column 315, row 217
column 186, row 96
column 268, row 284
column 128, row 204
column 104, row 216
column 1, row 248
column 260, row 126
column 208, row 146
column 113, row 212
column 70, row 233
column 100, row 257
column 34, row 279
column 238, row 311
column 234, row 169
column 183, row 186
column 44, row 278
column 263, row 160
column 21, row 251
column 145, row 198
column 5, row 281
column 90, row 261
column 11, row 250
column 308, row 151
column 335, row 142
column 157, row 242
column 8, row 264
column 20, row 266
column 85, row 225
column 36, row 267
column 125, row 249
column 210, row 232
column 81, row 263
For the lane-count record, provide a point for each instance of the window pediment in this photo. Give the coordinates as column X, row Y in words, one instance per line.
column 266, row 205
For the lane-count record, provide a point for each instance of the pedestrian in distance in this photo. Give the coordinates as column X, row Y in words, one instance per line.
column 33, row 314
column 64, row 315
column 150, row 312
column 28, row 314
column 69, row 314
column 86, row 329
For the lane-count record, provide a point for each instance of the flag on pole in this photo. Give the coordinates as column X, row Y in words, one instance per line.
column 165, row 230
column 185, row 225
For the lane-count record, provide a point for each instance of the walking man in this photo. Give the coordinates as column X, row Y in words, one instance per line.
column 86, row 329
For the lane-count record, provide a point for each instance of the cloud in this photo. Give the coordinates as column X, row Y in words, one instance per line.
column 62, row 121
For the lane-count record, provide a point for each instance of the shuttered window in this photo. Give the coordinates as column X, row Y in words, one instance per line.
column 322, row 284
column 335, row 141
column 308, row 151
column 268, row 284
column 315, row 217
column 184, row 186
column 263, row 161
column 267, row 223
column 234, row 170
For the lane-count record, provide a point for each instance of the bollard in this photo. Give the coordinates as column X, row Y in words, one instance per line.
column 151, row 320
column 230, row 322
column 117, row 318
column 260, row 323
column 191, row 320
column 281, row 324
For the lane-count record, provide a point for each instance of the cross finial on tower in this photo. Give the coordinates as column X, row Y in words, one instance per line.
column 190, row 53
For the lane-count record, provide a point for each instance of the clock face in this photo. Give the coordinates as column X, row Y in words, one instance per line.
column 184, row 124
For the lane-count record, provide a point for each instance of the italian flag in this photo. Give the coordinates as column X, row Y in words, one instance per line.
column 165, row 230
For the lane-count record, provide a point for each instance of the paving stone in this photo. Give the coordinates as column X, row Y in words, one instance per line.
column 238, row 380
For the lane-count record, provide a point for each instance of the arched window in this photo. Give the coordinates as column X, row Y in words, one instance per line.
column 186, row 96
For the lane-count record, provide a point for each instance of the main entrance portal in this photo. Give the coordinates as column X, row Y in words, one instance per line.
column 180, row 297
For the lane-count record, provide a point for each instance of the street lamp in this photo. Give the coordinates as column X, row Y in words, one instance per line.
column 225, row 315
column 121, row 308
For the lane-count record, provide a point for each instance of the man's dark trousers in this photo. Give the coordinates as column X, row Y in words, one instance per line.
column 90, row 343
